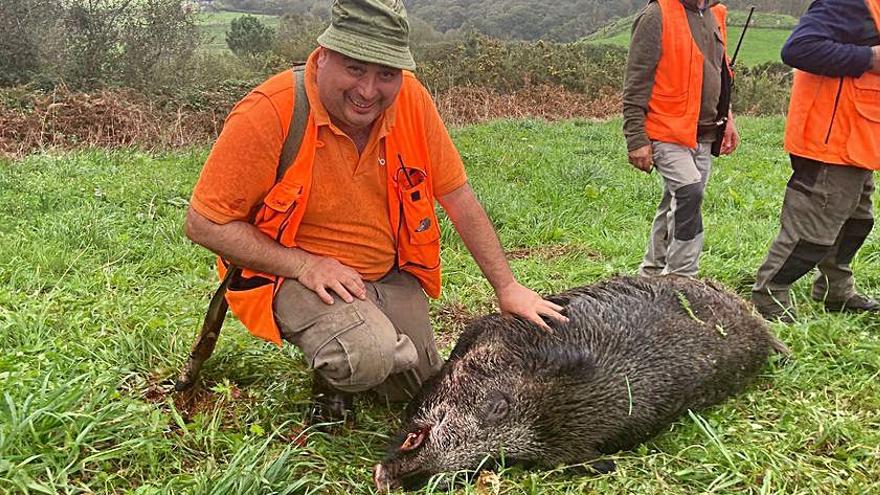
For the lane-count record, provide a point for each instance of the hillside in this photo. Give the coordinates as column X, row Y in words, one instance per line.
column 506, row 19
column 763, row 41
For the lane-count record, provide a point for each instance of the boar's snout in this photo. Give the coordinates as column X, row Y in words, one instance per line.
column 380, row 478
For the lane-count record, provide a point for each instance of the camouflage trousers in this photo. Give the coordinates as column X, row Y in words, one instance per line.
column 826, row 217
column 383, row 343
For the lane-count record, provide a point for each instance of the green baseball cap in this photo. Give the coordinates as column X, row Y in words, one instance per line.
column 370, row 31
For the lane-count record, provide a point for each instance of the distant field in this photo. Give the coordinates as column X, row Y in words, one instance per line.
column 214, row 26
column 762, row 43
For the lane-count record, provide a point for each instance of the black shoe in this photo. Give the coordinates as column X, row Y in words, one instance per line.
column 330, row 405
column 778, row 313
column 854, row 304
column 773, row 309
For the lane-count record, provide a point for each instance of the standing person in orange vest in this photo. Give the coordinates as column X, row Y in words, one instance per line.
column 339, row 253
column 671, row 120
column 833, row 136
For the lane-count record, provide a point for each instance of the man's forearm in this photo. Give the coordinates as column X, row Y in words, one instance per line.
column 244, row 245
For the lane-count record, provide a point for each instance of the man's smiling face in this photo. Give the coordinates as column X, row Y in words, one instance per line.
column 355, row 93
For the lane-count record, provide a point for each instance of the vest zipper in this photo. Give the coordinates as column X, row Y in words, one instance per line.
column 400, row 221
column 834, row 111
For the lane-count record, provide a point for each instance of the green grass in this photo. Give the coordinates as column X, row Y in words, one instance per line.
column 101, row 295
column 214, row 25
column 762, row 43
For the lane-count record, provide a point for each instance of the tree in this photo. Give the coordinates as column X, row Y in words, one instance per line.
column 90, row 43
column 23, row 24
column 248, row 36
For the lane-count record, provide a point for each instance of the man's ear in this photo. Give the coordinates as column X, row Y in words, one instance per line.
column 323, row 54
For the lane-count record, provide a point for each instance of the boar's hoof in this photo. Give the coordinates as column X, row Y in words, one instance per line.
column 603, row 467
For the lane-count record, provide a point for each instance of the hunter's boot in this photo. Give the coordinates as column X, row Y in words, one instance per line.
column 330, row 405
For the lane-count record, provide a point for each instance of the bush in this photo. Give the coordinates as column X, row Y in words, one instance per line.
column 249, row 36
column 508, row 65
column 763, row 89
column 297, row 36
column 22, row 23
column 86, row 44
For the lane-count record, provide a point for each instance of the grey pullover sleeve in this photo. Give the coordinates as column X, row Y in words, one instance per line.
column 644, row 55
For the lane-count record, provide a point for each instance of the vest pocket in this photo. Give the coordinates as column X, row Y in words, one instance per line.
column 866, row 95
column 283, row 196
column 863, row 144
column 250, row 299
column 670, row 105
column 418, row 214
column 279, row 206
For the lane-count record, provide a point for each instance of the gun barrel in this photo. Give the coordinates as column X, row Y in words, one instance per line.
column 741, row 36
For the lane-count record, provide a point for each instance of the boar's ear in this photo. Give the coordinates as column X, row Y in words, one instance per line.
column 414, row 440
column 565, row 360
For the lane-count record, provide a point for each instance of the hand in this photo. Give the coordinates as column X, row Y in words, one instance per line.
column 521, row 301
column 875, row 61
column 321, row 273
column 642, row 158
column 731, row 137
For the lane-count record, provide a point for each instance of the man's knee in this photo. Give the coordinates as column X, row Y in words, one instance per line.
column 363, row 354
column 803, row 258
column 688, row 220
column 852, row 236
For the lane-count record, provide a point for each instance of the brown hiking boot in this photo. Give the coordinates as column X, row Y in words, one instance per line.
column 330, row 405
column 856, row 303
column 774, row 307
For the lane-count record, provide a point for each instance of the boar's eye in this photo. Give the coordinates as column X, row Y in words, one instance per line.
column 498, row 406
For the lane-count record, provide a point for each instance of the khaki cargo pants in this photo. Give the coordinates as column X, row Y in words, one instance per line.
column 383, row 343
column 826, row 217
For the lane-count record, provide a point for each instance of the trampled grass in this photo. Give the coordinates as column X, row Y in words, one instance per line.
column 101, row 295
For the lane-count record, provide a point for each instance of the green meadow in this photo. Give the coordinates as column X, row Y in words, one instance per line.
column 101, row 296
column 762, row 43
column 214, row 25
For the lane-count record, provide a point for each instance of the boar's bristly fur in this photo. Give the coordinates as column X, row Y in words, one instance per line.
column 634, row 355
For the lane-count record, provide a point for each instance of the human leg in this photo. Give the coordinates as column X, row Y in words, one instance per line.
column 351, row 347
column 654, row 260
column 685, row 172
column 810, row 221
column 401, row 298
column 835, row 284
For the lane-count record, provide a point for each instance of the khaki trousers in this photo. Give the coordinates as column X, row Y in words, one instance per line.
column 826, row 217
column 383, row 343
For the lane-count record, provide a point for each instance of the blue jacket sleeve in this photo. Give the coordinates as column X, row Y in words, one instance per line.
column 829, row 39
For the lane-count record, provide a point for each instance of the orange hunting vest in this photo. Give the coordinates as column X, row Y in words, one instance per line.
column 674, row 107
column 836, row 119
column 410, row 208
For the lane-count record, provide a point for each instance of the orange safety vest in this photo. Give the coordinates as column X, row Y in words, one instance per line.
column 410, row 208
column 674, row 107
column 836, row 119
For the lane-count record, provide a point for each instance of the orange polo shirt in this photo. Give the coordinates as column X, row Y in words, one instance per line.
column 346, row 217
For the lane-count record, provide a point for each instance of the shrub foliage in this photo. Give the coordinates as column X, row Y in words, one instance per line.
column 92, row 43
column 249, row 36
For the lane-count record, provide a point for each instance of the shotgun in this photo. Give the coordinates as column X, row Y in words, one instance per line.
column 727, row 88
